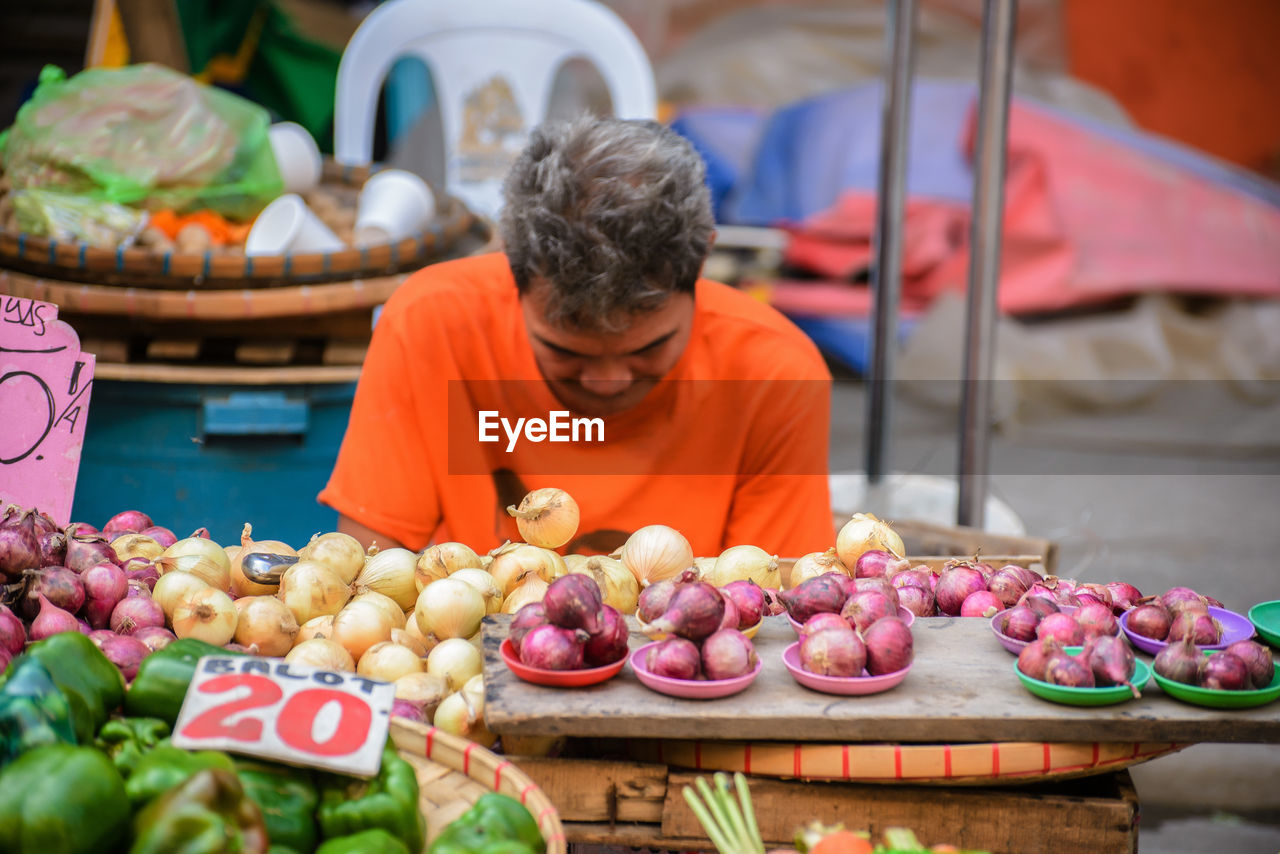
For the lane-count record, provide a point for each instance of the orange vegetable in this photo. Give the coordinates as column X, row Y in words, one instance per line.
column 843, row 842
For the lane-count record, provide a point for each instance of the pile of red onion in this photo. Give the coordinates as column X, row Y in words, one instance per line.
column 700, row 627
column 1181, row 612
column 570, row 629
column 1242, row 666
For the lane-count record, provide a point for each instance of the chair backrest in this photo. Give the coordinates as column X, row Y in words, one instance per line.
column 493, row 63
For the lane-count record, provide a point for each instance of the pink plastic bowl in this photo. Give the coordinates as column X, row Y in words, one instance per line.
column 692, row 689
column 845, row 685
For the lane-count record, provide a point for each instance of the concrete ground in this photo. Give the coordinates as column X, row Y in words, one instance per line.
column 1153, row 513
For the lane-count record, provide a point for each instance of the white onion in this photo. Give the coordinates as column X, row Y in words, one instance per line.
column 402, row 637
column 391, row 573
column 175, row 588
column 267, row 622
column 388, row 661
column 511, row 565
column 128, row 546
column 449, row 608
column 656, row 553
column 442, row 560
column 865, row 532
column 208, row 615
column 532, row 589
column 316, row 627
column 311, row 589
column 814, row 564
column 462, row 713
column 546, row 517
column 422, row 689
column 340, row 552
column 322, row 653
column 455, row 661
column 618, row 587
column 359, row 626
column 393, row 611
column 703, row 566
column 240, row 582
column 484, row 583
column 211, row 572
column 745, row 563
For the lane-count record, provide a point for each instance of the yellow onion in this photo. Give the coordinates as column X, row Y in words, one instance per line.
column 240, row 583
column 656, row 553
column 128, row 546
column 175, row 588
column 703, row 566
column 208, row 615
column 393, row 611
column 321, row 653
column 391, row 573
column 483, row 582
column 266, row 622
column 509, row 567
column 531, row 589
column 618, row 587
column 455, row 661
column 311, row 589
column 449, row 608
column 865, row 532
column 442, row 560
column 340, row 552
column 546, row 517
column 814, row 564
column 316, row 627
column 745, row 563
column 422, row 689
column 359, row 626
column 575, row 562
column 402, row 637
column 458, row 715
column 388, row 661
column 411, row 628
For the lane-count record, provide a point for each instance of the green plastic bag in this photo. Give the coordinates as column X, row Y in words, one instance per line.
column 143, row 135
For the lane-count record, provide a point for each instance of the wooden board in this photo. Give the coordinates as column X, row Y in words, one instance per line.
column 961, row 688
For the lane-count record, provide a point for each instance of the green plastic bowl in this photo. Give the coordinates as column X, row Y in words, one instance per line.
column 1086, row 696
column 1214, row 698
column 1265, row 617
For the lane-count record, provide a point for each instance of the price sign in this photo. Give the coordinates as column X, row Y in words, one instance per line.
column 299, row 715
column 44, row 403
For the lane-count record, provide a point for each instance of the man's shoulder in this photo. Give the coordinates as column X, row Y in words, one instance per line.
column 737, row 323
column 474, row 282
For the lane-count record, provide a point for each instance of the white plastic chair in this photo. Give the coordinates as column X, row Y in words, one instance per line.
column 493, row 63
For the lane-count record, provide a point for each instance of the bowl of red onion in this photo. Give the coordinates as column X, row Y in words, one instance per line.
column 1242, row 676
column 1101, row 673
column 677, row 667
column 847, row 686
column 558, row 678
column 1213, row 628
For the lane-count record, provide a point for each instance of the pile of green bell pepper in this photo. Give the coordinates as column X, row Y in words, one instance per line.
column 163, row 678
column 389, row 801
column 495, row 824
column 90, row 683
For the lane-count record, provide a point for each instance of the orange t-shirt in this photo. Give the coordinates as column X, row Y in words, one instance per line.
column 730, row 448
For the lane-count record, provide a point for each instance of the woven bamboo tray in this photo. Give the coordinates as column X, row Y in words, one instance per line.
column 144, row 268
column 453, row 773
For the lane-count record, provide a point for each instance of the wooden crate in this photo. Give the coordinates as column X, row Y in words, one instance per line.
column 636, row 805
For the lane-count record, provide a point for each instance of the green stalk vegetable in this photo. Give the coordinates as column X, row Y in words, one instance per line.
column 730, row 825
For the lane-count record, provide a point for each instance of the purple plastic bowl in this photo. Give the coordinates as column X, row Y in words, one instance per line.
column 1235, row 627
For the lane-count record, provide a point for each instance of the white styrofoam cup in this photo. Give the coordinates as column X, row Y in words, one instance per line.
column 394, row 204
column 297, row 156
column 288, row 225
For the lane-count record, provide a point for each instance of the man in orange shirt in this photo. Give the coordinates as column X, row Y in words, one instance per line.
column 589, row 356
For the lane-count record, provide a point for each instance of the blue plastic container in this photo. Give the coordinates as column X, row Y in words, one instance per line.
column 213, row 456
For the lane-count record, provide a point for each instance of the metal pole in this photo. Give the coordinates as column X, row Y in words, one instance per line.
column 886, row 274
column 998, row 17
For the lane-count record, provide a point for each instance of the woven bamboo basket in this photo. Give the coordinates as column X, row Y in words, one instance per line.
column 453, row 773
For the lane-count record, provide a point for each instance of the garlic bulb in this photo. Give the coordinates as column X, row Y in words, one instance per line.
column 865, row 532
column 656, row 553
column 546, row 517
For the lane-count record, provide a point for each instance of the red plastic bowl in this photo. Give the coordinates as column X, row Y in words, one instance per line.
column 692, row 689
column 558, row 678
column 903, row 614
column 845, row 685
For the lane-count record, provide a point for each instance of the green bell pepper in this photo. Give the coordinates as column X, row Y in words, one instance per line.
column 165, row 766
column 126, row 740
column 32, row 711
column 92, row 685
column 208, row 814
column 288, row 800
column 388, row 801
column 495, row 824
column 372, row 841
column 163, row 678
column 62, row 799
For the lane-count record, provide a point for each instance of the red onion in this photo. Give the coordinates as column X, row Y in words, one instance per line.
column 773, row 602
column 920, row 576
column 1061, row 627
column 1070, row 671
column 728, row 654
column 1177, row 599
column 136, row 612
column 1225, row 672
column 917, row 600
column 19, row 542
column 99, row 636
column 409, row 711
column 609, row 644
column 84, row 550
column 79, row 528
column 137, row 588
column 526, row 618
column 1181, row 662
column 53, row 548
column 126, row 654
column 1152, row 620
column 1123, row 595
column 730, row 619
column 573, row 602
column 981, row 603
column 890, row 646
column 1035, row 656
column 553, row 648
column 1042, row 605
column 748, row 598
column 44, row 522
column 694, row 611
column 833, row 653
column 58, row 584
column 823, row 622
column 1020, row 623
column 1200, row 627
column 654, row 599
column 1257, row 658
column 147, row 574
column 1112, row 661
column 1007, row 586
column 105, row 584
column 1096, row 618
column 13, row 635
column 161, row 535
column 881, row 584
column 847, row 584
column 202, row 533
column 1098, row 592
column 155, row 637
column 865, row 607
column 878, row 563
column 814, row 596
column 126, row 522
column 51, row 620
column 674, row 658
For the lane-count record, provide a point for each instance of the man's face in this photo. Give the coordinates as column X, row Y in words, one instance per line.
column 604, row 373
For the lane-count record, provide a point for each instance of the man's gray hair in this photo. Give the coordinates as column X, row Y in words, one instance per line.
column 614, row 214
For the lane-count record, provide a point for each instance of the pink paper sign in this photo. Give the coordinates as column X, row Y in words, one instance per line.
column 44, row 403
